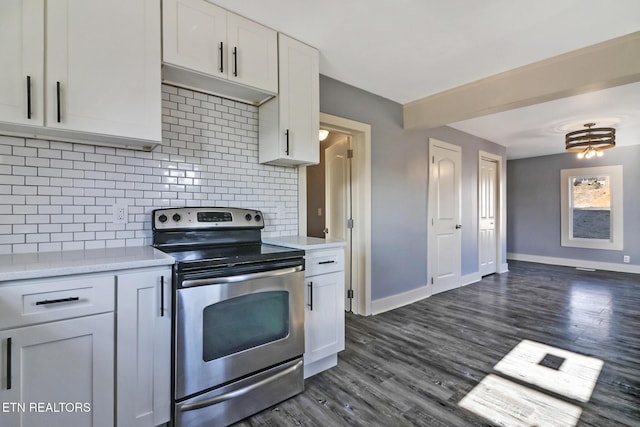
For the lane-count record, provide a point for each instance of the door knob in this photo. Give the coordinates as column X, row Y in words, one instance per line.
column 458, row 226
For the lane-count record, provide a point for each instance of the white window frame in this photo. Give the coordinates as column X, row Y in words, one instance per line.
column 615, row 242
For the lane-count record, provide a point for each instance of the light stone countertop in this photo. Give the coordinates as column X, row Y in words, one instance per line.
column 304, row 242
column 50, row 264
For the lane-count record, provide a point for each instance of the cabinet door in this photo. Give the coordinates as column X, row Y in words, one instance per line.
column 252, row 53
column 70, row 361
column 144, row 348
column 324, row 316
column 194, row 36
column 299, row 101
column 22, row 61
column 103, row 67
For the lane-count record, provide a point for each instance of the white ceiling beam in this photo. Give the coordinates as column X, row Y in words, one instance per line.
column 604, row 65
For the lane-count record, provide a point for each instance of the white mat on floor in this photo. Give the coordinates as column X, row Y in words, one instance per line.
column 575, row 379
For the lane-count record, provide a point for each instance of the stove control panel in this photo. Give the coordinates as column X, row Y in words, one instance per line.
column 206, row 217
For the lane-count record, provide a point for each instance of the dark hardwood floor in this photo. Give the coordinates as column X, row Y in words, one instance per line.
column 412, row 366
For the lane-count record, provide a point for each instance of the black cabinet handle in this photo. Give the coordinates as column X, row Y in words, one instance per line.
column 287, row 147
column 57, row 301
column 29, row 97
column 161, row 296
column 235, row 61
column 221, row 48
column 58, row 100
column 8, row 363
column 327, row 262
column 310, row 285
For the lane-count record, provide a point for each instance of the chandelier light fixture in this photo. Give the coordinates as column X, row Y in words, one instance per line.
column 590, row 142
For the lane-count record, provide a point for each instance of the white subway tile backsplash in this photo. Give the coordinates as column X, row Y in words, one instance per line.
column 59, row 195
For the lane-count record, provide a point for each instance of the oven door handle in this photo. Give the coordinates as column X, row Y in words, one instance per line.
column 237, row 393
column 240, row 278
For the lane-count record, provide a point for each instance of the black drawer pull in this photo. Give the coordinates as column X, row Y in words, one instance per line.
column 59, row 115
column 29, row 97
column 310, row 285
column 287, row 147
column 221, row 48
column 8, row 363
column 161, row 296
column 333, row 261
column 57, row 301
column 235, row 62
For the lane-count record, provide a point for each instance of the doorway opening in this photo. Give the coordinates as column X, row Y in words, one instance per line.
column 335, row 202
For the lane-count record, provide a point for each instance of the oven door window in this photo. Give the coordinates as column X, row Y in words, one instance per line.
column 244, row 322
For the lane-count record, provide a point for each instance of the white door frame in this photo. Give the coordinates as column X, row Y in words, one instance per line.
column 501, row 229
column 361, row 186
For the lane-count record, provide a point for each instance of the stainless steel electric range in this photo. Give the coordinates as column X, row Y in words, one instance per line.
column 238, row 326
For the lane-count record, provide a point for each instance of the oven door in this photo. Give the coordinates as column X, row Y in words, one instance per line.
column 229, row 327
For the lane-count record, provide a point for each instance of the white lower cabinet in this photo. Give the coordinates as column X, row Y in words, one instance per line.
column 59, row 372
column 143, row 348
column 62, row 346
column 324, row 314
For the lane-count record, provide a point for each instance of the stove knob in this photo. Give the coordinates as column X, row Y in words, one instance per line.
column 248, row 217
column 176, row 217
column 257, row 218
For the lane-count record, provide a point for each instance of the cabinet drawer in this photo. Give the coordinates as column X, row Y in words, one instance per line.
column 324, row 261
column 37, row 301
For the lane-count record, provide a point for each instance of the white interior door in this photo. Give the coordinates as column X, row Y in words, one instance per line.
column 336, row 169
column 337, row 201
column 444, row 212
column 487, row 221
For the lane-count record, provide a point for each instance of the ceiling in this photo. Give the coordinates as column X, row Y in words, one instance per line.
column 411, row 49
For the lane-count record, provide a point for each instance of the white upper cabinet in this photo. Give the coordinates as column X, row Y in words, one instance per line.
column 194, row 36
column 252, row 53
column 205, row 47
column 21, row 61
column 289, row 123
column 105, row 54
column 99, row 73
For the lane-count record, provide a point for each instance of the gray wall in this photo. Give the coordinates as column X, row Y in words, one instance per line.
column 399, row 175
column 533, row 205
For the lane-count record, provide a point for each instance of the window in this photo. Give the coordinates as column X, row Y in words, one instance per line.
column 592, row 207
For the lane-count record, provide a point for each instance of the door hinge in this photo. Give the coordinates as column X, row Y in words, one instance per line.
column 350, row 223
column 350, row 153
column 350, row 293
column 432, row 280
column 433, row 159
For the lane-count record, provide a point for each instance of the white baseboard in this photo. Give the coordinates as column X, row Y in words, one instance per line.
column 395, row 301
column 570, row 262
column 468, row 279
column 504, row 268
